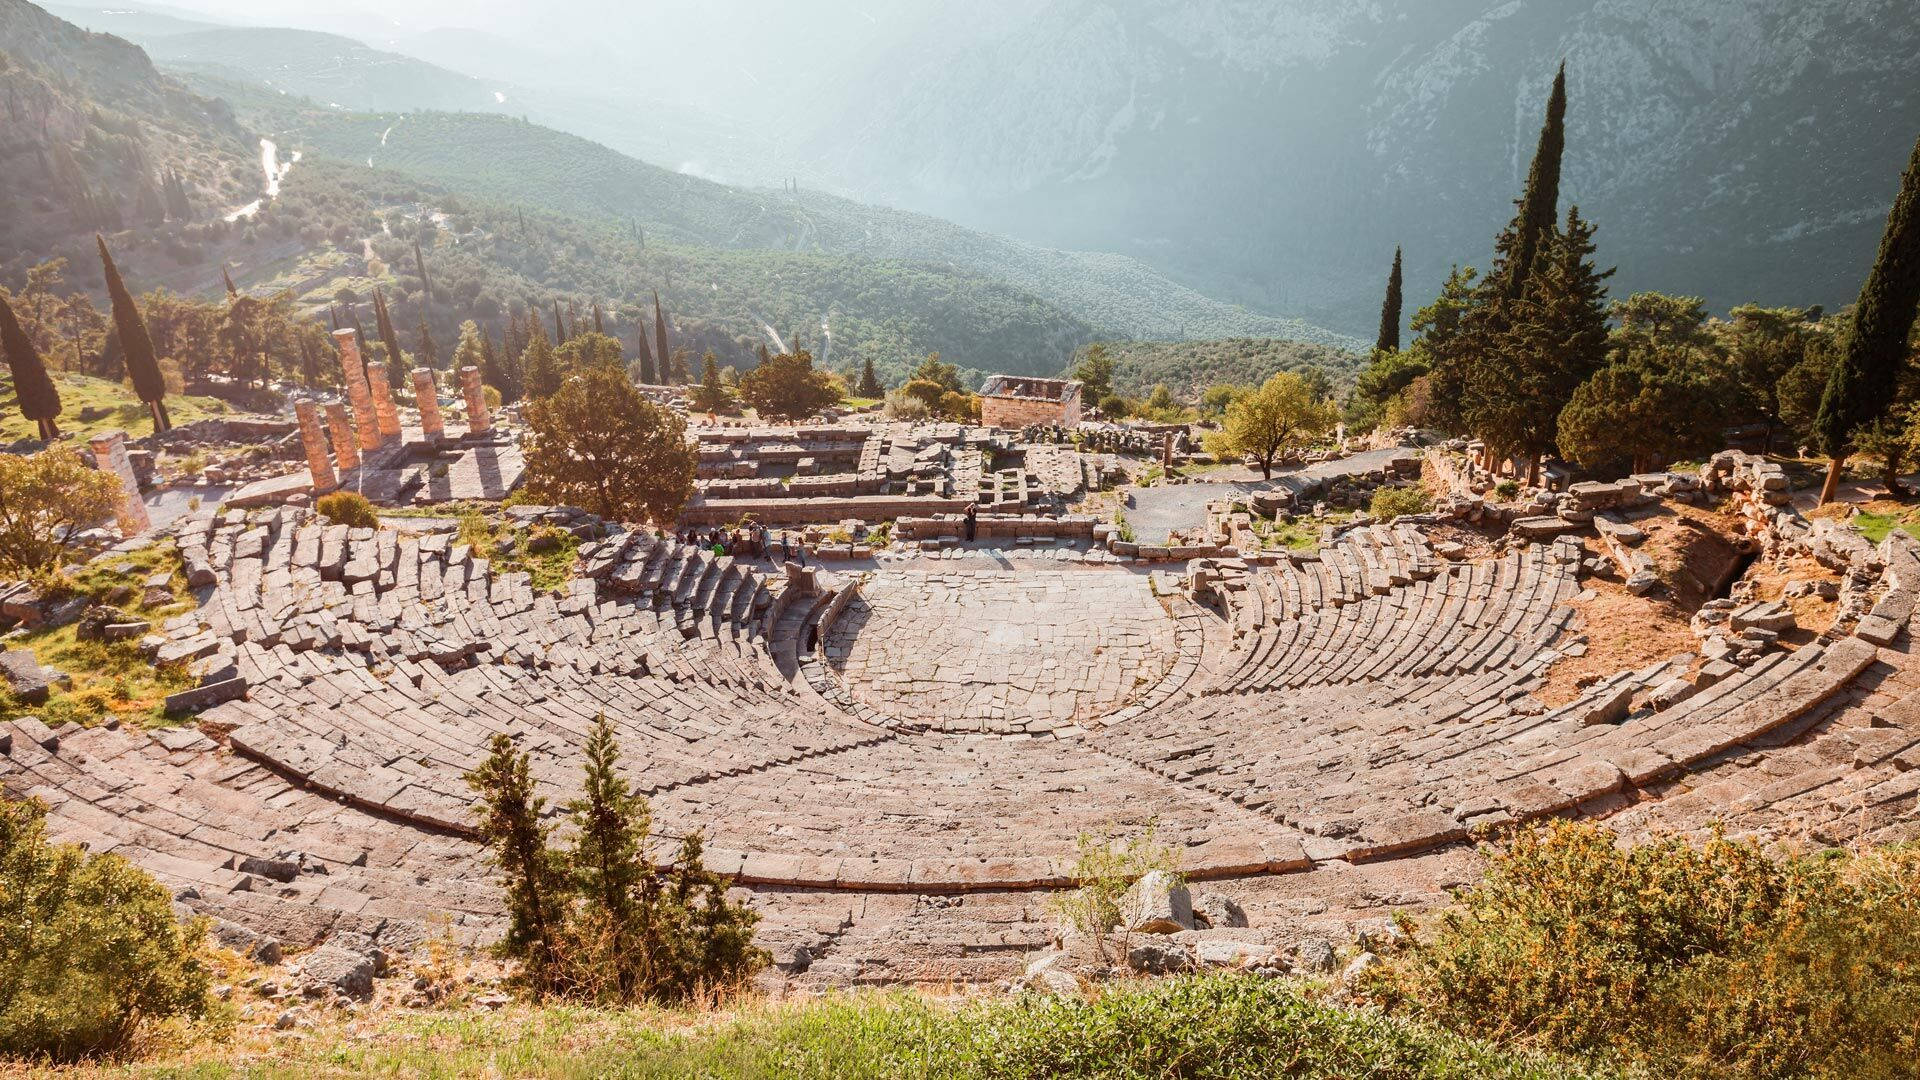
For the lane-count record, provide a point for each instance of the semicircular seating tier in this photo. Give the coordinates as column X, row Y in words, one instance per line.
column 1363, row 701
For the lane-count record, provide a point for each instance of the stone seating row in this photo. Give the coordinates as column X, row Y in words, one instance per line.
column 237, row 842
column 1460, row 620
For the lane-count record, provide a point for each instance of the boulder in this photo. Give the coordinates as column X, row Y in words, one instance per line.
column 332, row 968
column 1314, row 956
column 1233, row 954
column 1220, row 911
column 1159, row 904
column 23, row 676
column 1158, row 956
column 1359, row 966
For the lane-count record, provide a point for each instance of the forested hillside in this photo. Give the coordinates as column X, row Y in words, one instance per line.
column 1188, row 367
column 514, row 161
column 94, row 138
column 485, row 259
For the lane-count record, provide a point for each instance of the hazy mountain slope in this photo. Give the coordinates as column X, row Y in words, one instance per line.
column 1276, row 152
column 507, row 159
column 325, row 67
column 90, row 128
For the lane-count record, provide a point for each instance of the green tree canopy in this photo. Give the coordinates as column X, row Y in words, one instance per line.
column 785, row 386
column 599, row 443
column 1282, row 416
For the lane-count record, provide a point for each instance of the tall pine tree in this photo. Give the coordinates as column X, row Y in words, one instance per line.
column 1532, row 228
column 389, row 337
column 648, row 375
column 662, row 355
column 39, row 399
column 136, row 346
column 869, row 383
column 1861, row 388
column 1389, row 339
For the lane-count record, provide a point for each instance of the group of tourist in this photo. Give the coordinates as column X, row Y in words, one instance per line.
column 751, row 541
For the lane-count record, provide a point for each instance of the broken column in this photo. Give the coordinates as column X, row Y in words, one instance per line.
column 346, row 450
column 427, row 396
column 478, row 422
column 110, row 452
column 384, row 414
column 361, row 398
column 314, row 440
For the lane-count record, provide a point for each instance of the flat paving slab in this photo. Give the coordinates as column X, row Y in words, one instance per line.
column 976, row 649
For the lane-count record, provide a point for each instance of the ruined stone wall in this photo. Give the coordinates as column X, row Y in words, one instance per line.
column 1015, row 413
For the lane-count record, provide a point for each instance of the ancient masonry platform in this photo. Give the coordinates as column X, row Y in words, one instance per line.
column 898, row 764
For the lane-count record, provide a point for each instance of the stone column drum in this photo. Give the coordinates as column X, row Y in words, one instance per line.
column 110, row 452
column 478, row 422
column 426, row 396
column 358, row 395
column 346, row 451
column 313, row 439
column 384, row 413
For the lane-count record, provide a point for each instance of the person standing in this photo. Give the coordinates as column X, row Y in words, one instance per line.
column 973, row 510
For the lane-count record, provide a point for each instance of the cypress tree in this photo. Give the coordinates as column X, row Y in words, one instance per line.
column 559, row 331
column 383, row 323
column 662, row 356
column 1389, row 340
column 1862, row 386
column 429, row 352
column 136, row 346
column 426, row 287
column 39, row 399
column 542, row 368
column 609, row 859
column 869, row 384
column 536, row 881
column 309, row 362
column 1532, row 227
column 228, row 278
column 599, row 324
column 648, row 376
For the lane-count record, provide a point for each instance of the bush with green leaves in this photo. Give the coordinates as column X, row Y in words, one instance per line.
column 1102, row 872
column 1392, row 502
column 348, row 508
column 601, row 921
column 90, row 949
column 1712, row 960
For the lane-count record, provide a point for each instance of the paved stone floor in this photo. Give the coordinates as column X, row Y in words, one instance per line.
column 980, row 650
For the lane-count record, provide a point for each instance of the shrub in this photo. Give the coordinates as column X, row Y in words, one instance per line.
column 1102, row 872
column 1506, row 489
column 89, row 946
column 602, row 922
column 1392, row 502
column 903, row 406
column 1716, row 960
column 44, row 500
column 348, row 508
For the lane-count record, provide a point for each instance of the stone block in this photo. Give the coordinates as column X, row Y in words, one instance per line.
column 1158, row 904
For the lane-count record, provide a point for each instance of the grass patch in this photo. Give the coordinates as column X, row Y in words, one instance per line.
column 1209, row 1026
column 122, row 409
column 1875, row 527
column 110, row 678
column 551, row 567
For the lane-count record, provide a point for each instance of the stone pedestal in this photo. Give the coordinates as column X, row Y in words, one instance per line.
column 313, row 439
column 110, row 452
column 384, row 412
column 346, row 450
column 358, row 395
column 427, row 396
column 478, row 422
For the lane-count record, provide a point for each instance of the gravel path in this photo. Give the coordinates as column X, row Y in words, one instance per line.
column 1157, row 512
